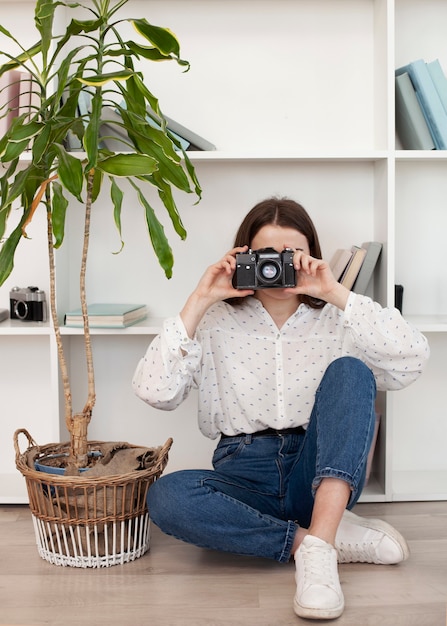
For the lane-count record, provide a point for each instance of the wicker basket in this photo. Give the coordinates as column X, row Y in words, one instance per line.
column 88, row 522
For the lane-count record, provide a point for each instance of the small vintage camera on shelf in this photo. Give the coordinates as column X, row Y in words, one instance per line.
column 28, row 304
column 264, row 269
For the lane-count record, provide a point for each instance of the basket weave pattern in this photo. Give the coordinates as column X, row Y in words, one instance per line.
column 88, row 522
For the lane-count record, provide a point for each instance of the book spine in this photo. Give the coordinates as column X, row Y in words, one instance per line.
column 428, row 97
column 439, row 80
column 411, row 126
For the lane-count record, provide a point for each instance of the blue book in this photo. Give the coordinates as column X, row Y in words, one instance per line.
column 439, row 79
column 107, row 315
column 431, row 105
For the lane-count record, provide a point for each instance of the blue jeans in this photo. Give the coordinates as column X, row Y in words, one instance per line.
column 262, row 487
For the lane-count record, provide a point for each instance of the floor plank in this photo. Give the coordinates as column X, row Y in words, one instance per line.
column 179, row 585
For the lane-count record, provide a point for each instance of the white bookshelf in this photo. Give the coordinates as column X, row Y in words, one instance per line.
column 298, row 97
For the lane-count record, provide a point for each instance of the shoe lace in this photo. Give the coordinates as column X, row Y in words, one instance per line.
column 318, row 567
column 357, row 552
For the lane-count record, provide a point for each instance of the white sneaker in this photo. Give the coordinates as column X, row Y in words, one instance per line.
column 365, row 540
column 318, row 594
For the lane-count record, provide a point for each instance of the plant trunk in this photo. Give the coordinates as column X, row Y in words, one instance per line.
column 77, row 425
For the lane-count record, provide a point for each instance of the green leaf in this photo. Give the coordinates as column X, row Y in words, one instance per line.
column 43, row 18
column 98, row 80
column 19, row 132
column 42, row 143
column 147, row 95
column 70, row 172
column 77, row 27
column 117, row 200
column 97, row 184
column 19, row 60
column 128, row 165
column 59, row 208
column 192, row 174
column 13, row 150
column 162, row 38
column 171, row 171
column 4, row 214
column 20, row 184
column 7, row 253
column 92, row 131
column 149, row 53
column 158, row 238
column 165, row 193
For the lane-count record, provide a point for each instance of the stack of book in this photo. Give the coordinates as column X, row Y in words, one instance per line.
column 421, row 106
column 354, row 267
column 107, row 315
column 115, row 138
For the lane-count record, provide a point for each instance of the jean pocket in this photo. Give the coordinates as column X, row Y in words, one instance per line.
column 227, row 450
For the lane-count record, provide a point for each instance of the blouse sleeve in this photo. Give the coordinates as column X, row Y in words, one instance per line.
column 166, row 373
column 395, row 350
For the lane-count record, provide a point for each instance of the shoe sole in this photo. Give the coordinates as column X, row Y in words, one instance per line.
column 378, row 524
column 309, row 613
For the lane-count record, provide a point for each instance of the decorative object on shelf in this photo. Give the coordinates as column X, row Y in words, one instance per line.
column 90, row 59
column 398, row 297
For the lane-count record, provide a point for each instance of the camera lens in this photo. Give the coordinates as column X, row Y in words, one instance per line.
column 269, row 271
column 21, row 310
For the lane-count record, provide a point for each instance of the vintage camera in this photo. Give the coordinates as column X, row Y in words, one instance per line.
column 27, row 304
column 264, row 269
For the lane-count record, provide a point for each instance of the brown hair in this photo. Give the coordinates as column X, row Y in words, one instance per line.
column 285, row 213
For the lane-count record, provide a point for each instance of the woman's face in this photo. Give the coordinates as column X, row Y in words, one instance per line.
column 278, row 237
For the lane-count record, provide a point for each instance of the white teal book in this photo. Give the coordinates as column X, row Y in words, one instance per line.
column 411, row 125
column 107, row 315
column 431, row 105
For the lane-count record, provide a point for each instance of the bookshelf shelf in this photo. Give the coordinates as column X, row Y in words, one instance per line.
column 421, row 155
column 17, row 327
column 259, row 156
column 429, row 323
column 309, row 117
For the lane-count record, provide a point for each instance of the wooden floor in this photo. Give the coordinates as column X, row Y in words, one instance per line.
column 180, row 585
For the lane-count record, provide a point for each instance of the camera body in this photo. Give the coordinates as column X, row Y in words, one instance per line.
column 264, row 269
column 27, row 304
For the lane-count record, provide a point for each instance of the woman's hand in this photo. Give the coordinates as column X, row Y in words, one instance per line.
column 315, row 279
column 215, row 285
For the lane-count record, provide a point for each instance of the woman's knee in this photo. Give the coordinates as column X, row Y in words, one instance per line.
column 349, row 370
column 170, row 498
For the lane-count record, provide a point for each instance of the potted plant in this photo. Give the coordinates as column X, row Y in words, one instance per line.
column 90, row 61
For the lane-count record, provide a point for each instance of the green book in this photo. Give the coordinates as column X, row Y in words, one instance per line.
column 107, row 315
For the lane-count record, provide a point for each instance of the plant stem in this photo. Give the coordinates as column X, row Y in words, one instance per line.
column 54, row 317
